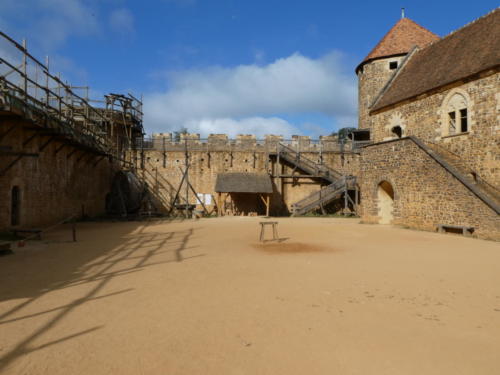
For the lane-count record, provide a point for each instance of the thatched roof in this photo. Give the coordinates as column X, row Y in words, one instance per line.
column 243, row 183
column 468, row 51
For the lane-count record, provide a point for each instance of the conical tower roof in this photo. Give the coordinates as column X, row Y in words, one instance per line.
column 403, row 36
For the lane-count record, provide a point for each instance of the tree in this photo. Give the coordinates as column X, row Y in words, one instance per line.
column 177, row 134
column 343, row 133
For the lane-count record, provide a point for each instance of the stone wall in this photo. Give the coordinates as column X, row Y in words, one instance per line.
column 426, row 118
column 371, row 80
column 165, row 162
column 425, row 194
column 54, row 185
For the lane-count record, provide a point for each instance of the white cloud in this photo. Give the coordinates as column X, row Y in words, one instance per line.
column 258, row 126
column 122, row 21
column 209, row 100
column 49, row 22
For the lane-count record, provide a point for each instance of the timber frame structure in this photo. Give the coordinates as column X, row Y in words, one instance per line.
column 47, row 107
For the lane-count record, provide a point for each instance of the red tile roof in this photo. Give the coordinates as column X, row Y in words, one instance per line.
column 403, row 36
column 470, row 50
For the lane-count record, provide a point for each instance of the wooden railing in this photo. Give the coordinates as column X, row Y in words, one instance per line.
column 324, row 196
column 306, row 164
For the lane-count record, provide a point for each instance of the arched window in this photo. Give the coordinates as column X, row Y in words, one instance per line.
column 457, row 118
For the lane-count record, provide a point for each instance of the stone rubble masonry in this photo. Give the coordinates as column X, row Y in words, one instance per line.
column 371, row 80
column 53, row 187
column 425, row 194
column 164, row 165
column 426, row 118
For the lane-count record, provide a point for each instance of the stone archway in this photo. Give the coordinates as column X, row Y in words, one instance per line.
column 385, row 195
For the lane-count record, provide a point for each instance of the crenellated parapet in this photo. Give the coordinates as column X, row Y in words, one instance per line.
column 243, row 142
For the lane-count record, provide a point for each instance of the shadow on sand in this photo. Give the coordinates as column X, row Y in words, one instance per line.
column 32, row 274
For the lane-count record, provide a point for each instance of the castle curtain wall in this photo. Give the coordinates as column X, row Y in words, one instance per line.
column 163, row 170
column 55, row 184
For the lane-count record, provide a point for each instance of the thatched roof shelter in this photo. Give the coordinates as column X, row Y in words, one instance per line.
column 243, row 183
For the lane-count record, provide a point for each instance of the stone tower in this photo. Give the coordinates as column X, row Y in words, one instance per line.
column 375, row 71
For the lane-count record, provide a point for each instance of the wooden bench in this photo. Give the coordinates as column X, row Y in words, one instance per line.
column 466, row 230
column 36, row 233
column 262, row 230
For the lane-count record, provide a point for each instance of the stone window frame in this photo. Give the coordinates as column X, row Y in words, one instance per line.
column 457, row 113
column 396, row 119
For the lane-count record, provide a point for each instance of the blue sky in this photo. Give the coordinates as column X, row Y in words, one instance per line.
column 224, row 66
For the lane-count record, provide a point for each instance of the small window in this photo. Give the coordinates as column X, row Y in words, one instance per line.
column 464, row 127
column 397, row 131
column 452, row 122
column 393, row 65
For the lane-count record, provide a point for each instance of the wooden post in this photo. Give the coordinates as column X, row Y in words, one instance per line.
column 267, row 204
column 219, row 209
column 357, row 200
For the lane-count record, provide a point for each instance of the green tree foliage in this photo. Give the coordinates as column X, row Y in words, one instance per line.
column 343, row 133
column 177, row 134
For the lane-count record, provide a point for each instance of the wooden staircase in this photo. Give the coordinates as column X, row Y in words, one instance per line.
column 339, row 185
column 310, row 167
column 326, row 195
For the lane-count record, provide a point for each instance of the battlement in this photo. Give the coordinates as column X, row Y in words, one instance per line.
column 243, row 142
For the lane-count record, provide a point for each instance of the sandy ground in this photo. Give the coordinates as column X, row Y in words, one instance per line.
column 204, row 297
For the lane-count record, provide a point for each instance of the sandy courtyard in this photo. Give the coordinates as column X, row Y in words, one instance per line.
column 203, row 297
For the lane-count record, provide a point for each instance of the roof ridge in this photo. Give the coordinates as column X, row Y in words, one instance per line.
column 469, row 23
column 399, row 40
column 422, row 27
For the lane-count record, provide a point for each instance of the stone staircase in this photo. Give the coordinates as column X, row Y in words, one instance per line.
column 457, row 164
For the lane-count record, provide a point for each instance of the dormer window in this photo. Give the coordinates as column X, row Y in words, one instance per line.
column 393, row 65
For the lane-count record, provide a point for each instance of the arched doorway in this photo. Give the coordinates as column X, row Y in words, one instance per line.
column 15, row 206
column 385, row 195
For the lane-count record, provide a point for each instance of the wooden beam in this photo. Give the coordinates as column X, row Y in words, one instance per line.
column 19, row 153
column 42, row 147
column 5, row 133
column 71, row 153
column 59, row 148
column 25, row 143
column 98, row 160
column 14, row 162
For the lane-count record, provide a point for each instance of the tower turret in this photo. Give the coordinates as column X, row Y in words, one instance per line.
column 383, row 61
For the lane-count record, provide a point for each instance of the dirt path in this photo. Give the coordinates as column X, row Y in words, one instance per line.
column 204, row 297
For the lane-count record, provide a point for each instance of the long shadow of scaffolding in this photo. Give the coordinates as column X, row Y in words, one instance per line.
column 98, row 266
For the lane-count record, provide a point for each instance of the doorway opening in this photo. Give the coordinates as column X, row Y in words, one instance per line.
column 15, row 206
column 385, row 194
